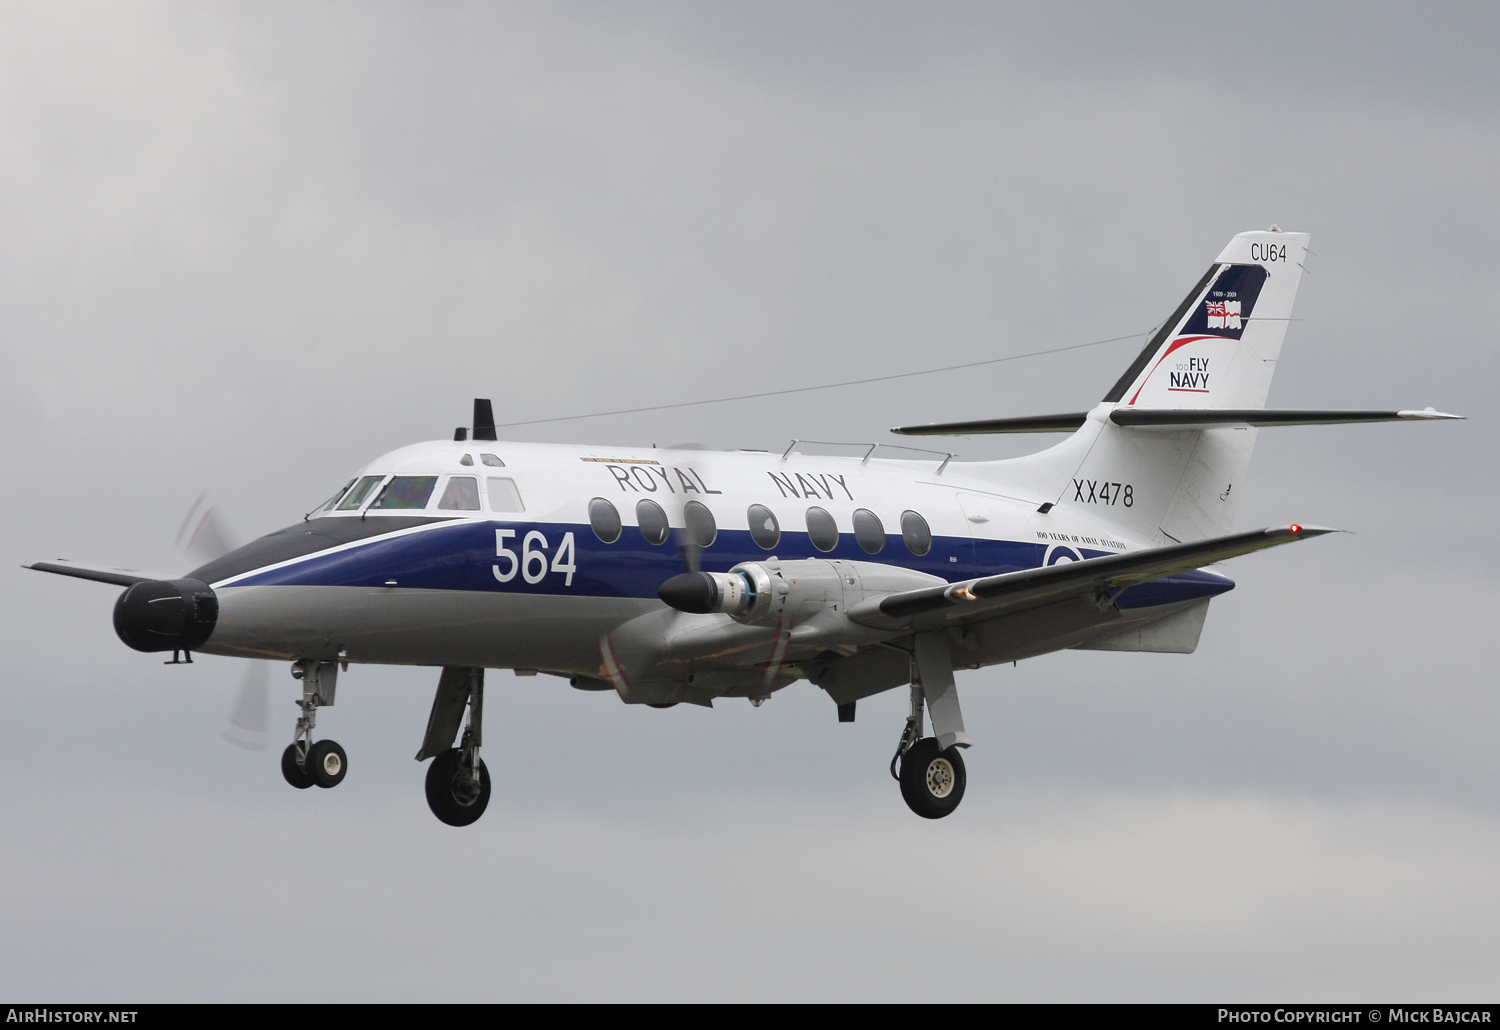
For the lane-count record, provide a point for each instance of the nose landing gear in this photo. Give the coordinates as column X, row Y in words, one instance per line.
column 305, row 763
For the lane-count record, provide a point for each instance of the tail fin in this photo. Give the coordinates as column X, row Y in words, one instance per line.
column 1217, row 350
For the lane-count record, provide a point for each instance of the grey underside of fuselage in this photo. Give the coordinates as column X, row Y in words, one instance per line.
column 394, row 626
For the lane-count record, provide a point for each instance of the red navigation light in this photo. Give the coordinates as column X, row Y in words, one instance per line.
column 1296, row 528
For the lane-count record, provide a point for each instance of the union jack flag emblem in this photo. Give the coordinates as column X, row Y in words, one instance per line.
column 1224, row 314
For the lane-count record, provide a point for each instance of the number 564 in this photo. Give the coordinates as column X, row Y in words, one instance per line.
column 531, row 563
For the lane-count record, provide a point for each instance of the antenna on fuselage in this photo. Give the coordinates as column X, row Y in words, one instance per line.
column 484, row 419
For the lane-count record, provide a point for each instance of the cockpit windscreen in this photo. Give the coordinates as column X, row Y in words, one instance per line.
column 405, row 492
column 356, row 497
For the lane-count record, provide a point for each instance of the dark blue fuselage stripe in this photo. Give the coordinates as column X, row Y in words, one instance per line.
column 462, row 556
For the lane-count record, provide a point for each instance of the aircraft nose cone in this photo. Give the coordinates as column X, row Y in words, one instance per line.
column 693, row 592
column 166, row 615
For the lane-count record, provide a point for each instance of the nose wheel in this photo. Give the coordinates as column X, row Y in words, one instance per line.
column 324, row 764
column 306, row 762
column 294, row 766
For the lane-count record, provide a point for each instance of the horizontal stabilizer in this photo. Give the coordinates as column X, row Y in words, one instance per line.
column 98, row 573
column 1027, row 424
column 986, row 596
column 1175, row 418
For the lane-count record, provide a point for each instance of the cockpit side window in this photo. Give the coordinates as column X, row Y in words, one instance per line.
column 492, row 460
column 503, row 494
column 361, row 492
column 405, row 492
column 461, row 494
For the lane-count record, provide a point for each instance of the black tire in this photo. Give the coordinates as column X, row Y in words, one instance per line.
column 446, row 795
column 932, row 780
column 327, row 763
column 294, row 773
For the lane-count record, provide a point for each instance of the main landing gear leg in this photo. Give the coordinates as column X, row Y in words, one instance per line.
column 931, row 771
column 458, row 784
column 306, row 762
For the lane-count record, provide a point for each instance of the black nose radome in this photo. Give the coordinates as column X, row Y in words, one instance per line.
column 693, row 592
column 166, row 615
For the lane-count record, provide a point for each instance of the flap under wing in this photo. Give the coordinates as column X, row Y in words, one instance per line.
column 990, row 596
column 1174, row 418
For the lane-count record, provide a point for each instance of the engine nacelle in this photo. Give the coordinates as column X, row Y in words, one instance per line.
column 167, row 615
column 788, row 592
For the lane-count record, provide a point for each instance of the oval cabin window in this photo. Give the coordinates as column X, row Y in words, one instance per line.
column 915, row 534
column 869, row 531
column 764, row 529
column 701, row 528
column 822, row 530
column 605, row 520
column 652, row 522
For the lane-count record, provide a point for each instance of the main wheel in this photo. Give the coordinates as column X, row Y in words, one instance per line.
column 450, row 791
column 326, row 763
column 294, row 773
column 932, row 780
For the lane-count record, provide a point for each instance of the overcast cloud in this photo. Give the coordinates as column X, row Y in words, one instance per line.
column 247, row 248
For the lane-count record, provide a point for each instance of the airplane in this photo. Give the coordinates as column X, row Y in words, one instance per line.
column 678, row 575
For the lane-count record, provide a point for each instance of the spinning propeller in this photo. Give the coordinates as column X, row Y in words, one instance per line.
column 203, row 537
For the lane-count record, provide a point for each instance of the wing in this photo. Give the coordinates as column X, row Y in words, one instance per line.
column 976, row 600
column 98, row 573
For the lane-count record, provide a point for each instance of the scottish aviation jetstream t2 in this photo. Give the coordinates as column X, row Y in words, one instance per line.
column 672, row 576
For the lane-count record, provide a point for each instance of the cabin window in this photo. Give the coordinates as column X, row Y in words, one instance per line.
column 328, row 504
column 361, row 493
column 822, row 530
column 503, row 494
column 461, row 494
column 493, row 461
column 869, row 531
column 652, row 521
column 701, row 528
column 405, row 492
column 604, row 519
column 915, row 534
column 764, row 529
column 467, row 459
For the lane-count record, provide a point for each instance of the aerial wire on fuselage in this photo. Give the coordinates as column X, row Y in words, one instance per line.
column 827, row 386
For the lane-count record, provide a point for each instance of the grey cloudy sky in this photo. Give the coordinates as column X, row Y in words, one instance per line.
column 247, row 248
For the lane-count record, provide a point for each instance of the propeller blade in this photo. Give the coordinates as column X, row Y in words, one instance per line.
column 698, row 529
column 250, row 717
column 204, row 535
column 691, row 553
column 778, row 654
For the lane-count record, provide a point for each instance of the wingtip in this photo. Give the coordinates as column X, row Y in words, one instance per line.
column 1299, row 530
column 1428, row 414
